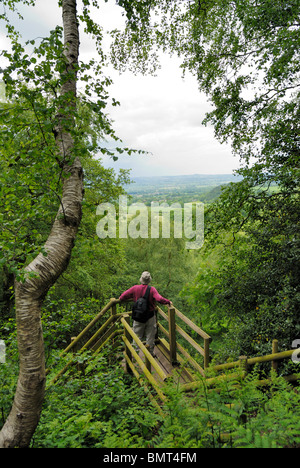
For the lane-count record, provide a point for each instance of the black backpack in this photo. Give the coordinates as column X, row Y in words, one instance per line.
column 140, row 309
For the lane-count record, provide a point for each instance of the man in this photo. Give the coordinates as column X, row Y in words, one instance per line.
column 149, row 327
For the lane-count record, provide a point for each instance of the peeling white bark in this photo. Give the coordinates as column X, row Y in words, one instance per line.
column 27, row 405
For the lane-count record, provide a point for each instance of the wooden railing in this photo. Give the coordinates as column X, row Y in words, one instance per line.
column 135, row 350
column 146, row 365
column 174, row 346
column 244, row 363
column 138, row 360
column 98, row 340
column 111, row 306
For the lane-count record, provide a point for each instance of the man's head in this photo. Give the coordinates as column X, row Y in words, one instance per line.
column 145, row 278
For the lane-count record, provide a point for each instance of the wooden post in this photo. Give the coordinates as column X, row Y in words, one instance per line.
column 172, row 335
column 274, row 365
column 127, row 351
column 206, row 352
column 113, row 307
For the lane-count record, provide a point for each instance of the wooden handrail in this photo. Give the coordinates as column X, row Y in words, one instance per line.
column 243, row 363
column 207, row 339
column 141, row 382
column 112, row 318
column 162, row 313
column 190, row 340
column 193, row 326
column 257, row 360
column 143, row 348
column 188, row 322
column 272, row 357
column 104, row 332
column 109, row 330
column 144, row 368
column 88, row 327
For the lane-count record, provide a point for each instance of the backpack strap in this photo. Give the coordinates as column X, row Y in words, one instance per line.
column 147, row 293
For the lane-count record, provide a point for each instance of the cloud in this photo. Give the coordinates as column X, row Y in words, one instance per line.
column 161, row 115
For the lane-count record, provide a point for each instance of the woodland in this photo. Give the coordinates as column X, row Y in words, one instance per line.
column 242, row 287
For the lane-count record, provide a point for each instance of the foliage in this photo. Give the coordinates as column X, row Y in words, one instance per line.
column 31, row 170
column 276, row 423
column 170, row 264
column 63, row 320
column 100, row 408
column 95, row 261
column 250, row 282
column 245, row 57
column 232, row 416
column 201, row 294
column 96, row 405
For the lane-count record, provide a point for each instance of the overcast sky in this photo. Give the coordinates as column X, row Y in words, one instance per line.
column 161, row 115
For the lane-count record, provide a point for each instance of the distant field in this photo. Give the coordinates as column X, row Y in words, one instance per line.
column 184, row 189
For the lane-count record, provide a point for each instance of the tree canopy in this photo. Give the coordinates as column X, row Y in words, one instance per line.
column 53, row 126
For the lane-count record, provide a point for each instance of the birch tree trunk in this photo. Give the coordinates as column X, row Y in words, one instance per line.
column 27, row 405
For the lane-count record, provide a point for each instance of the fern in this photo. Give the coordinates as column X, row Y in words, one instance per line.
column 243, row 416
column 249, row 439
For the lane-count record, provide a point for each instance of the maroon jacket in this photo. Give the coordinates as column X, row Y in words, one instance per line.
column 138, row 291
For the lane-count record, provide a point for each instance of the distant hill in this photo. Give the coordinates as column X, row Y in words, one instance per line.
column 185, row 188
column 199, row 180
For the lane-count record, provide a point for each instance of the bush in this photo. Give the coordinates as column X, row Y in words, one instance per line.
column 64, row 319
column 99, row 406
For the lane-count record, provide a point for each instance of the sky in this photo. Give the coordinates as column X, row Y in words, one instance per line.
column 160, row 114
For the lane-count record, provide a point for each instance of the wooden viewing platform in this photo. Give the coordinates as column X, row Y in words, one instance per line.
column 172, row 358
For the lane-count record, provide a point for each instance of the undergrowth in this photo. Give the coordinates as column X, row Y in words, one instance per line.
column 236, row 414
column 96, row 405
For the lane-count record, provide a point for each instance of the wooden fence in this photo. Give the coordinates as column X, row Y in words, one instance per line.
column 138, row 360
column 135, row 350
column 174, row 346
column 245, row 363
